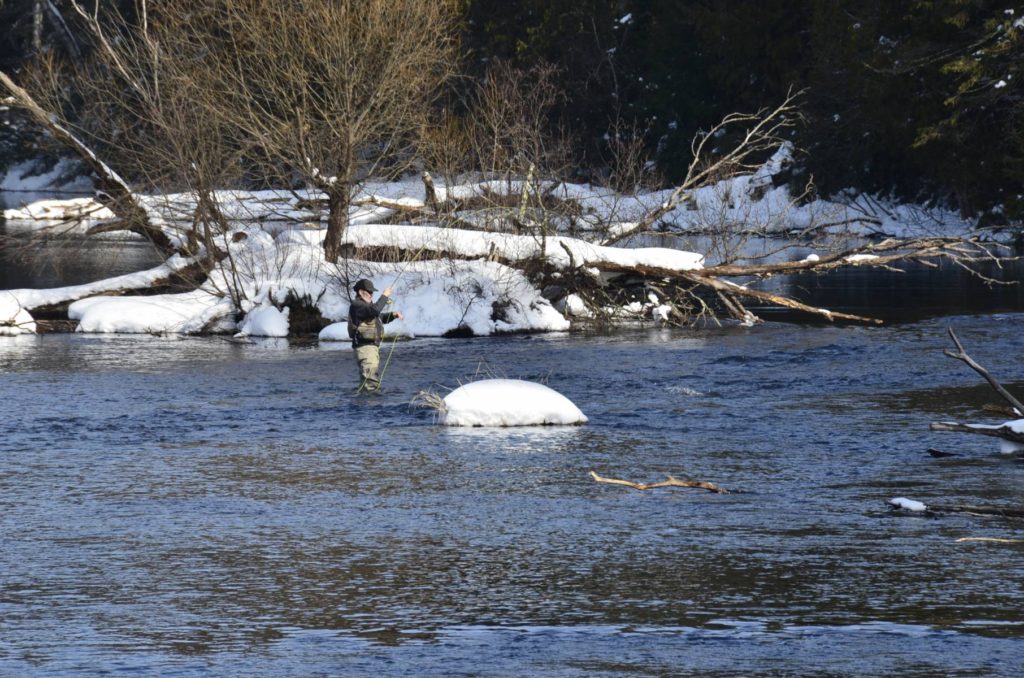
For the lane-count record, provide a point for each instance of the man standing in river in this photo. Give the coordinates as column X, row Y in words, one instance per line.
column 366, row 327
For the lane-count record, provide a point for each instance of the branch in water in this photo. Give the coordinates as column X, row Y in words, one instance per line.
column 671, row 482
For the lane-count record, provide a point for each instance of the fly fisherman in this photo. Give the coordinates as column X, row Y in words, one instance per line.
column 366, row 327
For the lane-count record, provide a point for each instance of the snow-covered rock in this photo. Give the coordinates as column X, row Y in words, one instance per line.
column 508, row 402
column 907, row 504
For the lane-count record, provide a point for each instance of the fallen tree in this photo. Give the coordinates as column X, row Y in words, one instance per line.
column 1012, row 432
column 587, row 259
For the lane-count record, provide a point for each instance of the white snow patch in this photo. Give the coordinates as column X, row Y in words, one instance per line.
column 508, row 402
column 335, row 332
column 265, row 321
column 14, row 319
column 157, row 314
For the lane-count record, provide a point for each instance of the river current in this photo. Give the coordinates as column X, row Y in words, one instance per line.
column 205, row 507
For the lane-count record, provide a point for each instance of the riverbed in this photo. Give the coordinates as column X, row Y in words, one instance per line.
column 209, row 507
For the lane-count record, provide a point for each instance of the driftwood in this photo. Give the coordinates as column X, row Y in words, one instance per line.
column 670, row 482
column 919, row 507
column 1005, row 512
column 1004, row 431
column 998, row 540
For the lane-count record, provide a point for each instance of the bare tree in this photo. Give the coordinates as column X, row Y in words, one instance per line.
column 331, row 92
column 760, row 134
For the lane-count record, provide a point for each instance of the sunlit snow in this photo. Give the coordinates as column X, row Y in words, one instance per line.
column 508, row 402
column 14, row 319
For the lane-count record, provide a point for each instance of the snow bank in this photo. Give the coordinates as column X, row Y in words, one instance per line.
column 335, row 332
column 33, row 298
column 14, row 319
column 24, row 177
column 508, row 402
column 158, row 314
column 265, row 321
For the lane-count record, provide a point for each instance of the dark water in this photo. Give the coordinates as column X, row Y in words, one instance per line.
column 196, row 507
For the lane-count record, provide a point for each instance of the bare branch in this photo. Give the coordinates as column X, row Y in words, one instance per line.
column 961, row 355
column 762, row 135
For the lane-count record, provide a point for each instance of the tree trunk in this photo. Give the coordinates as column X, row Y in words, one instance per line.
column 338, row 201
column 115, row 194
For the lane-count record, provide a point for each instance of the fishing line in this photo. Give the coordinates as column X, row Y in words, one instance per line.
column 401, row 272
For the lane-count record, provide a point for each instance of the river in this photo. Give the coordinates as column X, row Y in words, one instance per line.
column 203, row 507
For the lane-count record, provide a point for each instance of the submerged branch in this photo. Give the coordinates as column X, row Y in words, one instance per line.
column 670, row 482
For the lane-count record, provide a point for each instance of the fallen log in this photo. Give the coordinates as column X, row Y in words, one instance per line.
column 918, row 507
column 1003, row 431
column 1005, row 512
column 115, row 195
column 670, row 482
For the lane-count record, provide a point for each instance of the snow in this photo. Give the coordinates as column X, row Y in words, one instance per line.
column 14, row 318
column 24, row 177
column 508, row 402
column 335, row 332
column 31, row 298
column 158, row 314
column 1005, row 446
column 908, row 504
column 1009, row 446
column 265, row 321
column 277, row 254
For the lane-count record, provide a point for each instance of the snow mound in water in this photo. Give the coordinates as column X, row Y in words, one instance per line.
column 508, row 402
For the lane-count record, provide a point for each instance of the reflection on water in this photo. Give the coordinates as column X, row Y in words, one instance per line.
column 68, row 260
column 917, row 292
column 206, row 507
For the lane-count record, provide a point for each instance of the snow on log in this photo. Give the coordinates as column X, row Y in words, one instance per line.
column 129, row 282
column 508, row 402
column 518, row 248
column 908, row 504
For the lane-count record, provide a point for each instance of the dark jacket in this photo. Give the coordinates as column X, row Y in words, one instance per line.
column 366, row 321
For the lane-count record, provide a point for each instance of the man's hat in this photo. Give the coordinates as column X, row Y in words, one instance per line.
column 365, row 284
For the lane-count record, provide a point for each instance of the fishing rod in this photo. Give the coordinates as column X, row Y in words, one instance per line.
column 401, row 272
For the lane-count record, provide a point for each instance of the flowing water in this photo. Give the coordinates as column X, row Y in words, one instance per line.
column 196, row 507
column 204, row 507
